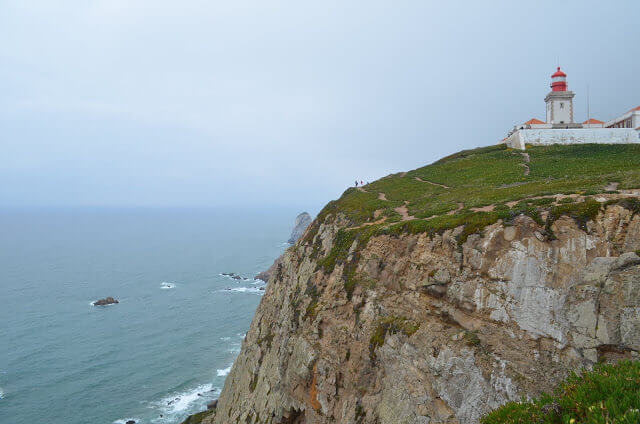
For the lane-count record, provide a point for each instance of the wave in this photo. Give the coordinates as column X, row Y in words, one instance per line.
column 124, row 420
column 172, row 408
column 252, row 290
column 166, row 285
column 236, row 278
column 1, row 393
column 224, row 372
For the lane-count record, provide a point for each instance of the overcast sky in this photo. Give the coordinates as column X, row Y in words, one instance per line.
column 271, row 103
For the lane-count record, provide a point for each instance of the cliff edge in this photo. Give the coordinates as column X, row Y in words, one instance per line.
column 438, row 294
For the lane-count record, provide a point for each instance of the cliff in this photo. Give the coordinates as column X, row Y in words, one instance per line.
column 301, row 223
column 438, row 294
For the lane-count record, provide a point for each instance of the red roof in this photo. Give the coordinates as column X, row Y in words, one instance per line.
column 533, row 121
column 635, row 108
column 558, row 73
column 592, row 121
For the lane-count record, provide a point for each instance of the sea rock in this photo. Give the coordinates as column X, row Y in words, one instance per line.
column 300, row 224
column 265, row 275
column 434, row 330
column 106, row 301
column 212, row 404
column 130, row 422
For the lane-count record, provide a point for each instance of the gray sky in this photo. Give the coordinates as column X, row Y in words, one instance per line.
column 271, row 103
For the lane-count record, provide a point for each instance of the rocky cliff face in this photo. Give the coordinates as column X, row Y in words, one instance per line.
column 301, row 223
column 420, row 328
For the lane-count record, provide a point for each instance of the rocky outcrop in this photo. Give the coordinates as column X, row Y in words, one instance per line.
column 422, row 328
column 301, row 223
column 265, row 275
column 106, row 301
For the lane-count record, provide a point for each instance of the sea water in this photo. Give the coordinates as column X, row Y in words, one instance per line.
column 160, row 354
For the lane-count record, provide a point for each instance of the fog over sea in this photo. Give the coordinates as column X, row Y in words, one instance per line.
column 159, row 355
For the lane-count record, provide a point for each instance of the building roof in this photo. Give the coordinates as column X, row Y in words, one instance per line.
column 592, row 121
column 558, row 73
column 634, row 109
column 533, row 121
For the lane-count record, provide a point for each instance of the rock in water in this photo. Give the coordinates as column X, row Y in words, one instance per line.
column 106, row 301
column 301, row 223
column 265, row 275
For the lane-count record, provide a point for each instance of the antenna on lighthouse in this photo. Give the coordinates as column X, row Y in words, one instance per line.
column 588, row 107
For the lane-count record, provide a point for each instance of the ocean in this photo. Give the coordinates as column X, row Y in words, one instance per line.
column 160, row 354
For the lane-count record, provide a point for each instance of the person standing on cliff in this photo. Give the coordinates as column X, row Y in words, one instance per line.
column 356, row 183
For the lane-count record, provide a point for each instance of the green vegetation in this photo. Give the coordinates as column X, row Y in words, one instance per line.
column 471, row 337
column 197, row 418
column 581, row 212
column 390, row 325
column 473, row 189
column 492, row 175
column 610, row 394
column 312, row 307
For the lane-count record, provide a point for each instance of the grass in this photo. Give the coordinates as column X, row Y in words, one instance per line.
column 390, row 325
column 492, row 175
column 472, row 179
column 609, row 394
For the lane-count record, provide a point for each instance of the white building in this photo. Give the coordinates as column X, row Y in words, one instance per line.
column 560, row 127
column 630, row 119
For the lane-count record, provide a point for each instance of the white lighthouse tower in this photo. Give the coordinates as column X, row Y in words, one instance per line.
column 559, row 101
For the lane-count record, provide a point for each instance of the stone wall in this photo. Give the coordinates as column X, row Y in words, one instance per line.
column 520, row 138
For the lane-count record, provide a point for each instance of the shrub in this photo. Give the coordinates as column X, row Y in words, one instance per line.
column 609, row 394
column 390, row 325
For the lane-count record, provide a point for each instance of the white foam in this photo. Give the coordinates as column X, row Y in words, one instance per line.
column 1, row 393
column 124, row 420
column 224, row 372
column 177, row 404
column 235, row 348
column 252, row 290
column 166, row 285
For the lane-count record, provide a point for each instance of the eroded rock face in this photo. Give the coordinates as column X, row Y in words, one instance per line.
column 301, row 223
column 504, row 315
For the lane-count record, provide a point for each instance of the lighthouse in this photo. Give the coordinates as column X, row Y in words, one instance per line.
column 559, row 101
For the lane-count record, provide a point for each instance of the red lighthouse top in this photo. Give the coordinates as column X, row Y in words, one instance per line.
column 559, row 81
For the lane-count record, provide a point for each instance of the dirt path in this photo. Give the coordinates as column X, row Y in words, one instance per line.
column 526, row 159
column 381, row 196
column 432, row 183
column 488, row 208
column 404, row 212
column 458, row 209
column 611, row 186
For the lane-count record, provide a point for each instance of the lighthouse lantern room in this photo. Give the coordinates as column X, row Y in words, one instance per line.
column 559, row 101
